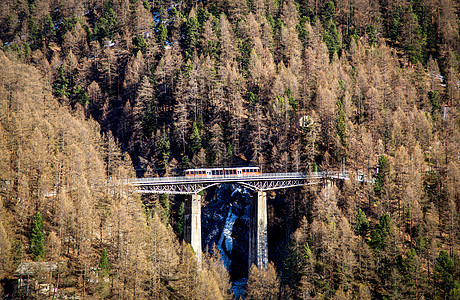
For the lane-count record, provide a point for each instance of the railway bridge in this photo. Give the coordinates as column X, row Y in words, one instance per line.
column 258, row 248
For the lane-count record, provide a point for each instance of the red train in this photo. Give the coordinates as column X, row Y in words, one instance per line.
column 223, row 172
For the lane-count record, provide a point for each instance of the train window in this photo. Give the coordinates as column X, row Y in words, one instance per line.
column 221, row 172
column 213, row 172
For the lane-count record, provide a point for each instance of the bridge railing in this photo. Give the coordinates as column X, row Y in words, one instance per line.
column 263, row 176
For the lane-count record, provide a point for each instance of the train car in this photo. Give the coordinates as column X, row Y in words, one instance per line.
column 222, row 172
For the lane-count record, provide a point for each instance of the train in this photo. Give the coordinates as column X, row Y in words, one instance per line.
column 222, row 172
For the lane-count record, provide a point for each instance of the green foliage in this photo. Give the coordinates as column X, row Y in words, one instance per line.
column 371, row 34
column 106, row 27
column 292, row 101
column 180, row 219
column 413, row 40
column 332, row 39
column 304, row 35
column 163, row 149
column 408, row 267
column 382, row 176
column 61, row 84
column 195, row 139
column 253, row 99
column 229, row 152
column 382, row 233
column 444, row 273
column 104, row 263
column 80, row 95
column 362, row 224
column 199, row 122
column 104, row 272
column 185, row 162
column 315, row 167
column 146, row 5
column 307, row 254
column 48, row 28
column 454, row 293
column 328, row 12
column 394, row 28
column 67, row 25
column 292, row 269
column 37, row 241
column 202, row 16
column 35, row 34
column 162, row 35
column 192, row 33
column 26, row 51
column 139, row 44
column 245, row 48
column 433, row 96
column 165, row 209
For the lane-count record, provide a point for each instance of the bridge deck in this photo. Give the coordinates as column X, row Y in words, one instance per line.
column 262, row 182
column 230, row 179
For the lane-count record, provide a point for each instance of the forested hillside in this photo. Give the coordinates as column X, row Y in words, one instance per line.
column 96, row 91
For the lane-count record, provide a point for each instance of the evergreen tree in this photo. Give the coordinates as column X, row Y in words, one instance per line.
column 362, row 224
column 61, row 85
column 444, row 273
column 191, row 36
column 104, row 266
column 382, row 180
column 37, row 241
column 104, row 263
column 107, row 25
column 195, row 139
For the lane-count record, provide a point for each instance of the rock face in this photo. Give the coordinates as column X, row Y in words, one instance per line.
column 225, row 223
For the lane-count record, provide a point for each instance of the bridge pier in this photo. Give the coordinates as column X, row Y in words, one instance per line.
column 258, row 246
column 192, row 225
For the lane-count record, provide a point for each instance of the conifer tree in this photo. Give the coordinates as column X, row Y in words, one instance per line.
column 362, row 224
column 444, row 273
column 37, row 241
column 104, row 264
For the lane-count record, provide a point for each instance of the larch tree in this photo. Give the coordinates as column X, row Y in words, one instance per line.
column 263, row 283
column 227, row 42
